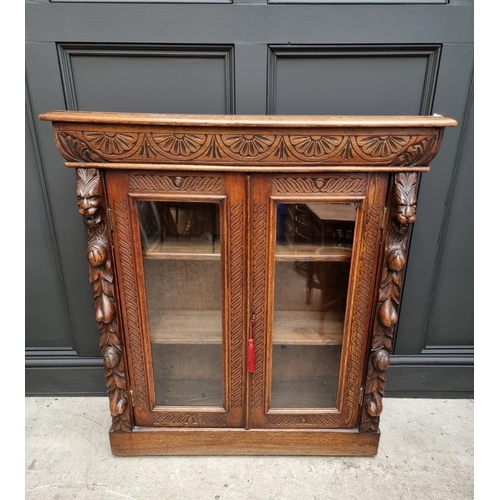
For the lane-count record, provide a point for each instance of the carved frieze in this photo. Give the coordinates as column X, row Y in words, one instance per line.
column 91, row 207
column 177, row 183
column 347, row 147
column 318, row 420
column 182, row 419
column 348, row 185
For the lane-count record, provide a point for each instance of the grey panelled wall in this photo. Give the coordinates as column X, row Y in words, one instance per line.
column 251, row 57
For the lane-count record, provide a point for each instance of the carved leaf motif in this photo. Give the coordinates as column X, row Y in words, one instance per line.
column 111, row 143
column 382, row 146
column 281, row 150
column 316, row 146
column 107, row 287
column 419, row 152
column 120, row 380
column 405, row 189
column 88, row 183
column 94, row 275
column 147, row 150
column 117, row 403
column 107, row 274
column 179, row 144
column 371, row 385
column 249, row 145
column 397, row 279
column 213, row 150
column 73, row 148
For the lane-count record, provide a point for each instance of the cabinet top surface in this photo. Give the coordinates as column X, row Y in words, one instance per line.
column 247, row 120
column 247, row 142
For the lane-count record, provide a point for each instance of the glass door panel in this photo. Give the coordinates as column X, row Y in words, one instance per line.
column 312, row 263
column 183, row 276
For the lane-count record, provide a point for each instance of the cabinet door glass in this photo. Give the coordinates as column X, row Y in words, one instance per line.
column 183, row 275
column 312, row 264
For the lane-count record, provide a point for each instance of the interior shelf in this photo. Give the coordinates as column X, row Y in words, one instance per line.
column 205, row 327
column 204, row 250
column 313, row 393
column 307, row 328
column 183, row 249
column 185, row 327
column 311, row 253
column 189, row 393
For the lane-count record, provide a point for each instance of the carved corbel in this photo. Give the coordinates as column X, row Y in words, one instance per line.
column 89, row 193
column 402, row 215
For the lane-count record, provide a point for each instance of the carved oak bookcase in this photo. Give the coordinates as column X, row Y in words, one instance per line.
column 246, row 273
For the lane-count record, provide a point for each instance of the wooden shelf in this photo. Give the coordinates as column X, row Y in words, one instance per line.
column 312, row 253
column 185, row 327
column 204, row 250
column 307, row 328
column 189, row 393
column 205, row 327
column 183, row 249
column 315, row 393
column 333, row 211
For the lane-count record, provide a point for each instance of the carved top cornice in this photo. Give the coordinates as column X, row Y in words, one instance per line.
column 141, row 140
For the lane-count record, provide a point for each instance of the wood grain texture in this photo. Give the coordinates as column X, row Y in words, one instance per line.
column 261, row 121
column 131, row 304
column 243, row 442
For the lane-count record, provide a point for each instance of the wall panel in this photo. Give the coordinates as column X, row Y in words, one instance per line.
column 352, row 80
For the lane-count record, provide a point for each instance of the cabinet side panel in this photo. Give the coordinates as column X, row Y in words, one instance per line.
column 129, row 295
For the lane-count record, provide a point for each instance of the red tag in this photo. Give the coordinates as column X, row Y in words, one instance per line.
column 251, row 356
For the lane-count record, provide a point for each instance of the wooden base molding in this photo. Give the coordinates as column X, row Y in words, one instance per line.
column 146, row 441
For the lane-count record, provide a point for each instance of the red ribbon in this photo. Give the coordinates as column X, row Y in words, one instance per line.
column 251, row 348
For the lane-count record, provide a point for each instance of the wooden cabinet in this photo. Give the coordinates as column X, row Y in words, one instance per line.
column 246, row 273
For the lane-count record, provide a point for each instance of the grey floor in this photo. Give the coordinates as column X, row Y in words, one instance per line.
column 426, row 452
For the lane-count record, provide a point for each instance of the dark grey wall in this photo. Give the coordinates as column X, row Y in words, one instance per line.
column 252, row 58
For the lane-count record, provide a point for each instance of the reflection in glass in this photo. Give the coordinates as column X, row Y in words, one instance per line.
column 312, row 265
column 182, row 268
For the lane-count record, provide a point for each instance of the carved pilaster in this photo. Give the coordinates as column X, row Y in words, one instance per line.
column 90, row 202
column 402, row 215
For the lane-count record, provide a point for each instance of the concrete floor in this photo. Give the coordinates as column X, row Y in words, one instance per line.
column 426, row 452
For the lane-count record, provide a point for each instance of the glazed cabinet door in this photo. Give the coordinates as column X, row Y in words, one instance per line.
column 314, row 251
column 179, row 247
